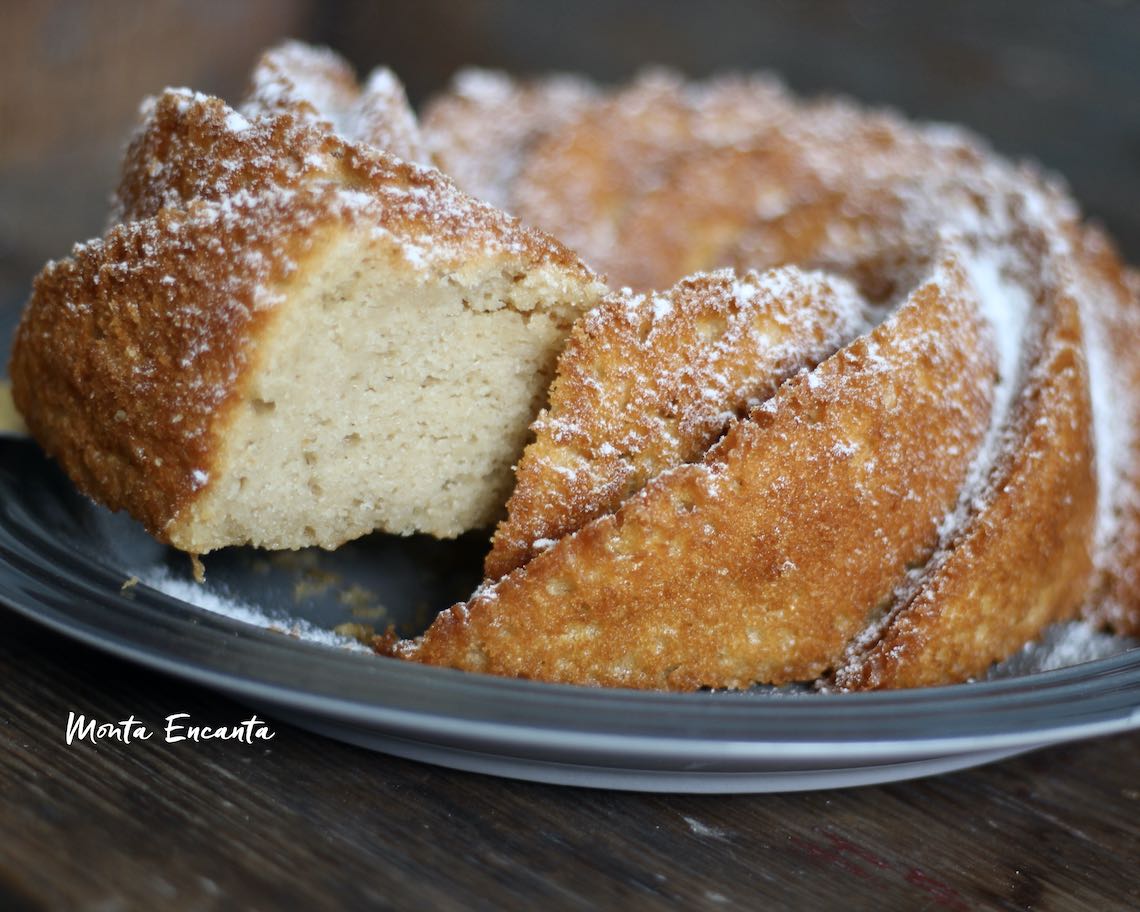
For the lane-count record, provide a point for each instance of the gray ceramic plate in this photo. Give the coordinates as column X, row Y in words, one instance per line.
column 63, row 562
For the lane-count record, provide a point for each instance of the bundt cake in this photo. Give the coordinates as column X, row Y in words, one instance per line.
column 857, row 403
column 762, row 560
column 917, row 506
column 291, row 338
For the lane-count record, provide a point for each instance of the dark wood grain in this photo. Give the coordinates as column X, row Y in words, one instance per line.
column 302, row 822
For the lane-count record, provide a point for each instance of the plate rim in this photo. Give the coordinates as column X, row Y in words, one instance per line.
column 521, row 717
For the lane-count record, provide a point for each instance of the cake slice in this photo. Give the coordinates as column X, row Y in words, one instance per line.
column 293, row 339
column 760, row 562
column 650, row 381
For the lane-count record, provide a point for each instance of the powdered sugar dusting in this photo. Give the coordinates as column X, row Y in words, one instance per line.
column 1115, row 430
column 650, row 381
column 656, row 378
column 646, row 181
column 1006, row 306
column 215, row 215
column 236, row 122
column 484, row 129
column 206, row 597
column 1061, row 646
column 319, row 88
column 230, row 167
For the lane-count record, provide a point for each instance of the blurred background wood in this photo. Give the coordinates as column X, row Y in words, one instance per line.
column 1053, row 80
column 72, row 75
column 306, row 823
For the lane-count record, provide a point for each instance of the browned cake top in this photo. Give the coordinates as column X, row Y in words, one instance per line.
column 130, row 347
column 652, row 380
column 484, row 128
column 319, row 87
column 656, row 180
column 193, row 147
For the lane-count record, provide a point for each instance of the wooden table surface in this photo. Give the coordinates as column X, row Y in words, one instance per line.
column 304, row 822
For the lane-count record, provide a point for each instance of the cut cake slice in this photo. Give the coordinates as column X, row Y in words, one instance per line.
column 293, row 339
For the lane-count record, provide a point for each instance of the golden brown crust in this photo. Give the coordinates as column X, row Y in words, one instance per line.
column 648, row 382
column 128, row 351
column 726, row 205
column 870, row 520
column 483, row 129
column 191, row 146
column 124, row 358
column 1112, row 314
column 318, row 87
column 666, row 178
column 725, row 573
column 1024, row 559
column 1047, row 518
column 311, row 83
column 578, row 180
